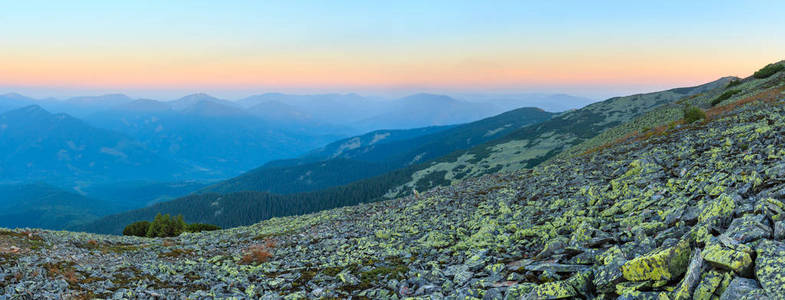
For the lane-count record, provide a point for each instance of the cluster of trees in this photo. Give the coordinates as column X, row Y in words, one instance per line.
column 165, row 226
column 769, row 70
column 245, row 208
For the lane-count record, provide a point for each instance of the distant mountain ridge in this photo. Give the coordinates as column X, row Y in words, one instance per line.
column 520, row 148
column 35, row 144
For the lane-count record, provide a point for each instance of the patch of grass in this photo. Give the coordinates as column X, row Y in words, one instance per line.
column 392, row 272
column 176, row 253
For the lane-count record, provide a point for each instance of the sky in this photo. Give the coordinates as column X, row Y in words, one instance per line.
column 166, row 49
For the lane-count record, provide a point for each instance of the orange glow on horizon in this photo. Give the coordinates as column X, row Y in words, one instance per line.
column 147, row 70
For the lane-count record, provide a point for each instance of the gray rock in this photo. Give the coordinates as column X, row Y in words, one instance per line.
column 770, row 267
column 462, row 278
column 743, row 288
column 779, row 230
column 692, row 276
column 749, row 228
column 556, row 268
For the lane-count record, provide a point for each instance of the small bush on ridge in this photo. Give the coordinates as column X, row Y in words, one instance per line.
column 725, row 96
column 693, row 113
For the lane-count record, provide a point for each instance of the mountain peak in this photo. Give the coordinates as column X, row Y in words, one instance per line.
column 32, row 109
column 13, row 96
column 197, row 97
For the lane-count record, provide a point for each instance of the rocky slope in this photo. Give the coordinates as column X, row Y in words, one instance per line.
column 692, row 211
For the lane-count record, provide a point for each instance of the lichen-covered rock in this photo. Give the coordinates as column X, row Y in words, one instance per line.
column 770, row 268
column 749, row 228
column 718, row 255
column 687, row 285
column 517, row 291
column 663, row 264
column 606, row 277
column 743, row 289
column 720, row 208
column 553, row 290
column 710, row 285
column 638, row 295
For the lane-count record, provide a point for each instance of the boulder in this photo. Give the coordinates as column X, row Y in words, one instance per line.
column 710, row 284
column 719, row 256
column 741, row 288
column 606, row 277
column 555, row 268
column 662, row 264
column 687, row 285
column 749, row 228
column 553, row 290
column 770, row 267
column 779, row 230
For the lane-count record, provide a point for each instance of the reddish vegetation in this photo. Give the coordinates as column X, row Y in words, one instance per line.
column 768, row 96
column 259, row 253
column 765, row 96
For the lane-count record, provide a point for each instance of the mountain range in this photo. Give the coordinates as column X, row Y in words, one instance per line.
column 96, row 146
column 272, row 191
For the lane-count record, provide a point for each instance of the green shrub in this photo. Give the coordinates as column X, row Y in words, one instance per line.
column 693, row 113
column 725, row 96
column 768, row 70
column 733, row 83
column 198, row 227
column 137, row 229
column 166, row 226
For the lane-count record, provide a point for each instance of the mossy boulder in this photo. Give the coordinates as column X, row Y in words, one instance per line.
column 749, row 228
column 721, row 208
column 729, row 259
column 711, row 285
column 662, row 264
column 606, row 277
column 770, row 267
column 553, row 290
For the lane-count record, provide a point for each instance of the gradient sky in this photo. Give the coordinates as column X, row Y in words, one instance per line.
column 235, row 48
